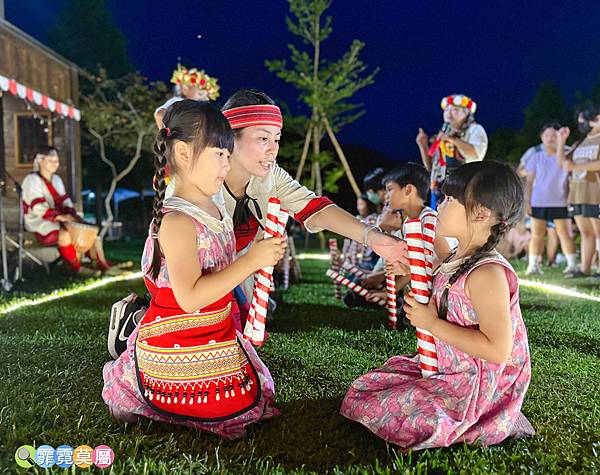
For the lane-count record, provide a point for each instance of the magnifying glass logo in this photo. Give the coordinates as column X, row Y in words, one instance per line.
column 24, row 456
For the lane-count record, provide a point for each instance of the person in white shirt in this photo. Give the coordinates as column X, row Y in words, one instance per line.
column 48, row 210
column 461, row 140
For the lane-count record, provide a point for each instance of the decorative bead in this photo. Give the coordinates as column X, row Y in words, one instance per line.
column 151, row 395
column 191, row 401
column 176, row 398
column 232, row 390
column 226, row 392
column 218, row 396
column 183, row 398
column 205, row 397
column 169, row 399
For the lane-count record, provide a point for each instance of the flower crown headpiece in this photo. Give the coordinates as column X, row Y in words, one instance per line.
column 193, row 77
column 459, row 100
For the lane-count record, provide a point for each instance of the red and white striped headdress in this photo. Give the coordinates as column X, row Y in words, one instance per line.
column 247, row 116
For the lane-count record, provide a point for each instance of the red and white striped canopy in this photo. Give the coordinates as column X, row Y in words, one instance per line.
column 24, row 92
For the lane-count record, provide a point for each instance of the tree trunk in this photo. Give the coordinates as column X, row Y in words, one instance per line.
column 304, row 152
column 116, row 178
column 341, row 156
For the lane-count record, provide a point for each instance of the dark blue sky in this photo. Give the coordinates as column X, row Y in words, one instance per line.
column 496, row 52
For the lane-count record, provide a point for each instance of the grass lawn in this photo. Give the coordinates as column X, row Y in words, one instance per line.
column 51, row 380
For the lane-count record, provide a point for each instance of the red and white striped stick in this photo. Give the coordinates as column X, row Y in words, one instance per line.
column 286, row 268
column 428, row 226
column 257, row 316
column 281, row 224
column 335, row 266
column 359, row 289
column 420, row 283
column 390, row 288
column 354, row 270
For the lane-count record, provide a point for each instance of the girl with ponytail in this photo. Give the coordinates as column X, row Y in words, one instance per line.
column 475, row 318
column 185, row 362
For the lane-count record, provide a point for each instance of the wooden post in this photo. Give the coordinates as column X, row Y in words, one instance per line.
column 341, row 155
column 304, row 152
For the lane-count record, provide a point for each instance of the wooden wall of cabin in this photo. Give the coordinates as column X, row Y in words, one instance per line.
column 37, row 69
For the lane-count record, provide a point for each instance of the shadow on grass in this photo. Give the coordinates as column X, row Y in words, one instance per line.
column 309, row 433
column 289, row 318
column 568, row 340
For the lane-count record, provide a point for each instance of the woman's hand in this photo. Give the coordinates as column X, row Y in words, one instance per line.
column 267, row 252
column 65, row 218
column 420, row 315
column 561, row 135
column 422, row 139
column 446, row 138
column 388, row 247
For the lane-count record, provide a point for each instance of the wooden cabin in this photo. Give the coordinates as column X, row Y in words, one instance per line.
column 39, row 94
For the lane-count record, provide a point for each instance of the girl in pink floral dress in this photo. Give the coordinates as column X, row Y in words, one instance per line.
column 185, row 363
column 475, row 318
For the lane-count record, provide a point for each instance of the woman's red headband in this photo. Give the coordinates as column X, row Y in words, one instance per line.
column 247, row 116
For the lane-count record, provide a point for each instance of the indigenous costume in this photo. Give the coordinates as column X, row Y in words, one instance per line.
column 445, row 157
column 249, row 211
column 470, row 400
column 191, row 368
column 43, row 201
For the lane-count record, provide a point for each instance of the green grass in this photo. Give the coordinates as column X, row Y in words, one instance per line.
column 51, row 380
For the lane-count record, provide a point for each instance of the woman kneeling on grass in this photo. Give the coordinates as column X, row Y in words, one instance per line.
column 185, row 363
column 475, row 318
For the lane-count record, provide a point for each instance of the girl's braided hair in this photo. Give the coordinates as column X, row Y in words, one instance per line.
column 493, row 185
column 193, row 122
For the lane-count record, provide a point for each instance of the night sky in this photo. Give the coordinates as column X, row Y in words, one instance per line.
column 496, row 52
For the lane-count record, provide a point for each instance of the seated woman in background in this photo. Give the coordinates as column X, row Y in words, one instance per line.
column 48, row 210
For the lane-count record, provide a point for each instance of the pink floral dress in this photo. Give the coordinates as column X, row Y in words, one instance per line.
column 471, row 400
column 121, row 392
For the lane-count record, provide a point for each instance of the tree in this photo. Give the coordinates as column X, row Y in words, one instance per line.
column 118, row 115
column 325, row 87
column 86, row 34
column 547, row 105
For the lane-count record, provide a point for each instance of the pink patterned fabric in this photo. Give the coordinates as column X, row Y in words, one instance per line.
column 216, row 250
column 470, row 400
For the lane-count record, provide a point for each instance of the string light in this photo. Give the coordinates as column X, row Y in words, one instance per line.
column 60, row 294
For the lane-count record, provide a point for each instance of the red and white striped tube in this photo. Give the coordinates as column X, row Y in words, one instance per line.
column 285, row 268
column 392, row 308
column 428, row 226
column 354, row 270
column 359, row 289
column 257, row 316
column 335, row 266
column 420, row 283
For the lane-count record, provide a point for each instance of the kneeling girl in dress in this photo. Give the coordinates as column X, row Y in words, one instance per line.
column 475, row 318
column 185, row 363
